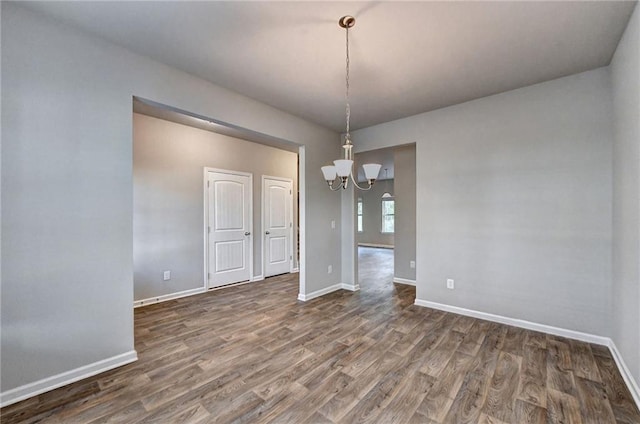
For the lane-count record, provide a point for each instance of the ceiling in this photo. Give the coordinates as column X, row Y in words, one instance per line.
column 179, row 116
column 406, row 57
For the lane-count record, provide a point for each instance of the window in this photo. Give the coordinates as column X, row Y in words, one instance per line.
column 359, row 215
column 388, row 213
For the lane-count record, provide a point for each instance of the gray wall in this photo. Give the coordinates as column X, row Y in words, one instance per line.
column 625, row 73
column 168, row 162
column 372, row 214
column 514, row 201
column 404, row 158
column 67, row 189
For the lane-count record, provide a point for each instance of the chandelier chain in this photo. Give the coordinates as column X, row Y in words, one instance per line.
column 343, row 167
column 348, row 107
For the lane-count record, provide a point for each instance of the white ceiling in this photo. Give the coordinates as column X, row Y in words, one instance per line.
column 406, row 57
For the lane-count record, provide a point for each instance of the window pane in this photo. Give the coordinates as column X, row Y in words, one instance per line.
column 359, row 223
column 388, row 209
column 387, row 224
column 359, row 207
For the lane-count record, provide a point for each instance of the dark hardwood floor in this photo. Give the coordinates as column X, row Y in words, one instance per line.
column 254, row 353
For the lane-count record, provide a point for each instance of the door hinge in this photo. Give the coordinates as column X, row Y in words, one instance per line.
column 290, row 257
column 290, row 224
column 209, row 276
column 207, row 183
column 290, row 192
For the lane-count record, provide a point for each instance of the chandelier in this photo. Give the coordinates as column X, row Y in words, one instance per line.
column 343, row 168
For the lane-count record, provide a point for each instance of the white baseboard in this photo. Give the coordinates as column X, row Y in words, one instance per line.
column 351, row 287
column 37, row 387
column 570, row 334
column 382, row 246
column 190, row 292
column 404, row 281
column 295, row 270
column 632, row 385
column 327, row 290
column 226, row 286
column 170, row 296
column 318, row 293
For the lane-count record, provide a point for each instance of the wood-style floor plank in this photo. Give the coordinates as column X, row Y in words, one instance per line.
column 501, row 398
column 617, row 393
column 533, row 376
column 254, row 354
column 563, row 408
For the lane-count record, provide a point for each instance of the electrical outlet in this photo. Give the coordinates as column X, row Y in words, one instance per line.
column 329, row 269
column 450, row 284
column 333, row 224
column 167, row 276
column 412, row 264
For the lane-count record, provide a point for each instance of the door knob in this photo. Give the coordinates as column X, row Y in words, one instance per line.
column 247, row 233
column 267, row 232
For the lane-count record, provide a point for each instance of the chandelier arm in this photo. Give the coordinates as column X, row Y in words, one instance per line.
column 357, row 186
column 339, row 186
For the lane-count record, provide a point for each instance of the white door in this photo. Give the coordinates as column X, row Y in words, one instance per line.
column 278, row 225
column 228, row 228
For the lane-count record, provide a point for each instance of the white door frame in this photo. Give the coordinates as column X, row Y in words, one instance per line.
column 206, row 219
column 262, row 222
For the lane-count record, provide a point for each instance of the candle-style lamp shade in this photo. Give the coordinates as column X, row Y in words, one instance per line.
column 343, row 167
column 371, row 170
column 329, row 172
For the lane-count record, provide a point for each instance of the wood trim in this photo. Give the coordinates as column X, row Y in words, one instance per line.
column 404, row 281
column 37, row 387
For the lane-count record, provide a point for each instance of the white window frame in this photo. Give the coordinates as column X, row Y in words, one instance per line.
column 360, row 215
column 387, row 198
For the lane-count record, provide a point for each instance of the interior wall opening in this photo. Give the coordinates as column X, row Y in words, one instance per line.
column 172, row 201
column 385, row 220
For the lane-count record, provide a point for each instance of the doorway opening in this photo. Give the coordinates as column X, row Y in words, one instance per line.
column 193, row 234
column 375, row 224
column 385, row 221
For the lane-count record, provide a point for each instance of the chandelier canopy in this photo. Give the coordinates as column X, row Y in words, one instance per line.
column 343, row 168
